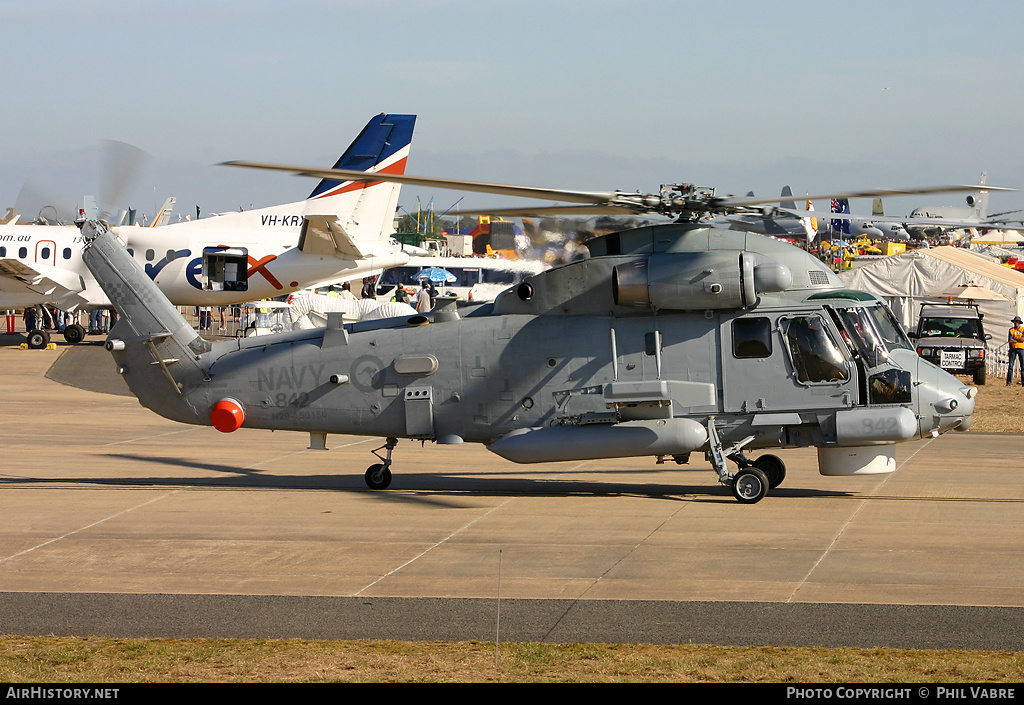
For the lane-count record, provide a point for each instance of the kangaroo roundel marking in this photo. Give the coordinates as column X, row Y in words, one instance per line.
column 363, row 371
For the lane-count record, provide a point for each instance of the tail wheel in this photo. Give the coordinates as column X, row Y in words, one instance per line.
column 749, row 486
column 377, row 477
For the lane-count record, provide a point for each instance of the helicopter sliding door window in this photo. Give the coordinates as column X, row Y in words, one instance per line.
column 815, row 355
column 752, row 337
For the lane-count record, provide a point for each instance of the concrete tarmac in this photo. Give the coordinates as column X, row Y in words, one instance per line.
column 118, row 522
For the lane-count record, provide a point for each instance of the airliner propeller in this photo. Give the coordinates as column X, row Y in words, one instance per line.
column 121, row 164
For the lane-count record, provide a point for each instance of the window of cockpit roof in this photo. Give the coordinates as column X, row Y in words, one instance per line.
column 851, row 294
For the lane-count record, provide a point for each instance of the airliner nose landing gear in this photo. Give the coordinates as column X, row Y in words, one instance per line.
column 378, row 475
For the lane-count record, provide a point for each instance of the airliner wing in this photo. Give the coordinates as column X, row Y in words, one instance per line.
column 18, row 277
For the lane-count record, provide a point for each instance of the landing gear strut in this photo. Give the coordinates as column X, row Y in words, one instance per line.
column 752, row 480
column 378, row 475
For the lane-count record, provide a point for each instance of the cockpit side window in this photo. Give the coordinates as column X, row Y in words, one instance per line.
column 751, row 337
column 815, row 355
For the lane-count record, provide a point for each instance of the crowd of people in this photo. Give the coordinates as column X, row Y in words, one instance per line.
column 51, row 318
column 424, row 300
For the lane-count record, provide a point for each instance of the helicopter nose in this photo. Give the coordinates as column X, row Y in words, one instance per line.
column 944, row 402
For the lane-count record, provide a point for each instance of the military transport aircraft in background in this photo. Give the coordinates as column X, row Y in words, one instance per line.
column 935, row 220
column 341, row 231
column 929, row 221
column 780, row 222
column 839, row 223
column 664, row 341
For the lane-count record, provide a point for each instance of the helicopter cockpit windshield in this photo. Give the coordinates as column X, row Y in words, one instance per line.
column 874, row 334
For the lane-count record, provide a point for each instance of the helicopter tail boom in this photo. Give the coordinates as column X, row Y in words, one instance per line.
column 152, row 343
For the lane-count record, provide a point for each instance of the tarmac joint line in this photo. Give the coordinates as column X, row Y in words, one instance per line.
column 88, row 526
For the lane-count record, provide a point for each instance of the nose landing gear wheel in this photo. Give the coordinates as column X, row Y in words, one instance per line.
column 749, row 486
column 37, row 339
column 377, row 477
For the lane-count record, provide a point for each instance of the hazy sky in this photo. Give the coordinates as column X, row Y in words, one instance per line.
column 585, row 95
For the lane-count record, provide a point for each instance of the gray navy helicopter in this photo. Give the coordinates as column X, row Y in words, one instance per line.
column 664, row 341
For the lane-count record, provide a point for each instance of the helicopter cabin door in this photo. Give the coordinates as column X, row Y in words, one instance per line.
column 790, row 362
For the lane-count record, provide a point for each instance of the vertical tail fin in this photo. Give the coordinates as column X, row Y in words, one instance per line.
column 163, row 216
column 788, row 192
column 978, row 201
column 382, row 146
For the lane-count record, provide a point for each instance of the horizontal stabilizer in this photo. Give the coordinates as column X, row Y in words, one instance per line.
column 325, row 235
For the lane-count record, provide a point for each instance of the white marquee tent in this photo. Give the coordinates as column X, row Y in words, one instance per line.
column 907, row 280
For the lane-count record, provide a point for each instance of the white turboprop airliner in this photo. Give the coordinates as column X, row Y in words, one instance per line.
column 341, row 231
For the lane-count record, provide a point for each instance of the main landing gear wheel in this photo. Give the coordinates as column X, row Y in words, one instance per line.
column 749, row 485
column 377, row 477
column 74, row 334
column 38, row 339
column 773, row 468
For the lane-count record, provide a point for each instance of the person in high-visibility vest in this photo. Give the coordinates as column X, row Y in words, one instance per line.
column 1016, row 341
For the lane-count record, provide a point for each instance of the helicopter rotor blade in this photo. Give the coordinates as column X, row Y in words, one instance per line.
column 526, row 211
column 741, row 202
column 453, row 184
column 674, row 199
